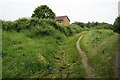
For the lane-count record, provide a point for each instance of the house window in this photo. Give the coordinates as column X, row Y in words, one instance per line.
column 60, row 21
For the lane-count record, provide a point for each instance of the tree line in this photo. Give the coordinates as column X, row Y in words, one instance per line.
column 44, row 12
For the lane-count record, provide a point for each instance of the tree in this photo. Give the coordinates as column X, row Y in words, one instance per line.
column 116, row 25
column 43, row 12
column 81, row 24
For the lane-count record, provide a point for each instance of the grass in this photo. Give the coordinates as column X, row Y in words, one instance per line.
column 53, row 56
column 24, row 57
column 69, row 64
column 100, row 46
column 29, row 55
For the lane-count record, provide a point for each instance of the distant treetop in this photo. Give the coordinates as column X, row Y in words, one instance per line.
column 43, row 12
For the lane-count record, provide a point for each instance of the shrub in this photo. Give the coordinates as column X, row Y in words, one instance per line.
column 16, row 25
column 116, row 25
column 81, row 24
column 20, row 24
column 7, row 25
column 42, row 22
column 41, row 26
column 35, row 22
column 43, row 30
column 72, row 29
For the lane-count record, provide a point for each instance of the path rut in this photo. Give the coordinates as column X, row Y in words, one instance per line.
column 88, row 69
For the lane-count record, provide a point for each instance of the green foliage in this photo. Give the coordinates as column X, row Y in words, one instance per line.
column 116, row 25
column 20, row 24
column 81, row 24
column 44, row 30
column 47, row 26
column 41, row 27
column 7, row 25
column 94, row 25
column 104, row 26
column 16, row 25
column 73, row 29
column 43, row 12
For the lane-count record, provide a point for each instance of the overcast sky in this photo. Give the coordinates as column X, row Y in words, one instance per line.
column 76, row 10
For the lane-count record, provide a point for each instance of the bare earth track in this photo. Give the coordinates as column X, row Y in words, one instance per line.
column 88, row 69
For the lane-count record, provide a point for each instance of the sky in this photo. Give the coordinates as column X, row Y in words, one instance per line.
column 76, row 10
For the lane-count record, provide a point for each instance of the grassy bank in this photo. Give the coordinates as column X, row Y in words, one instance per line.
column 52, row 56
column 24, row 57
column 30, row 46
column 100, row 46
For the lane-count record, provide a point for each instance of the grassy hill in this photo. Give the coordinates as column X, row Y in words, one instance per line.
column 42, row 48
column 32, row 48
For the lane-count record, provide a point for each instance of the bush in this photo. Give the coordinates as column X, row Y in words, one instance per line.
column 41, row 26
column 116, row 25
column 20, row 24
column 35, row 22
column 53, row 23
column 47, row 22
column 76, row 28
column 94, row 25
column 72, row 30
column 81, row 24
column 43, row 30
column 7, row 25
column 16, row 25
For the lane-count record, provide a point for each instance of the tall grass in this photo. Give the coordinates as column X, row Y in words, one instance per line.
column 24, row 57
column 68, row 61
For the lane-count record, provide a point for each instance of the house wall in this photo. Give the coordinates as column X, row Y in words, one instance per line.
column 66, row 21
column 60, row 22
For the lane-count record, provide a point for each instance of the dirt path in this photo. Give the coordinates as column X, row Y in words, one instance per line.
column 88, row 69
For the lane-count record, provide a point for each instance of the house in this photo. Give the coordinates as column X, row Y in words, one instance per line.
column 63, row 20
